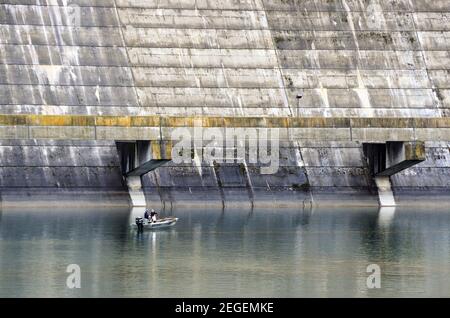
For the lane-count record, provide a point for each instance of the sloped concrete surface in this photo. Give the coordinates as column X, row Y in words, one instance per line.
column 249, row 58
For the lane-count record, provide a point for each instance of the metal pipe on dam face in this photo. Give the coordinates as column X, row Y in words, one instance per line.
column 77, row 78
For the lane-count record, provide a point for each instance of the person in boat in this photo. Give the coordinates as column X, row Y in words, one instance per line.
column 153, row 215
column 146, row 215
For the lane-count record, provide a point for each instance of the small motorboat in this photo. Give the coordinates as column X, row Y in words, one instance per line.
column 142, row 223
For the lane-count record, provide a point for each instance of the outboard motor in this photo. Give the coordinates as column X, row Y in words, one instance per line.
column 140, row 223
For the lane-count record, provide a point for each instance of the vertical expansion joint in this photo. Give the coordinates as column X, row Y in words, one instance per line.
column 244, row 169
column 216, row 168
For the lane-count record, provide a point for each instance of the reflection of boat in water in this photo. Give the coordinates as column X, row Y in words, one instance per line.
column 142, row 223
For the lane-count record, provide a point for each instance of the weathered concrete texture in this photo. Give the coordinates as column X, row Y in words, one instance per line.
column 311, row 172
column 253, row 58
column 231, row 184
column 38, row 172
column 318, row 173
column 413, row 185
column 236, row 58
column 305, row 171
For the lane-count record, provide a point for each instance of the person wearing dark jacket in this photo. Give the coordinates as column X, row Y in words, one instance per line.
column 153, row 215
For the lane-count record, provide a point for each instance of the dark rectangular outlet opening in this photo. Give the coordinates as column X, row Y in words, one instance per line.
column 127, row 155
column 376, row 157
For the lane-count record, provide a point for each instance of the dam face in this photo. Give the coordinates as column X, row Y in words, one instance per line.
column 330, row 76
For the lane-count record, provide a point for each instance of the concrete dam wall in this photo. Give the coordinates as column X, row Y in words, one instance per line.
column 78, row 76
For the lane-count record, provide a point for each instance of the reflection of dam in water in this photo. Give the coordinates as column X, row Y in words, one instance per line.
column 217, row 253
column 344, row 82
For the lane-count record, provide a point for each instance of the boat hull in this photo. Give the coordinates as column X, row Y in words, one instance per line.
column 159, row 224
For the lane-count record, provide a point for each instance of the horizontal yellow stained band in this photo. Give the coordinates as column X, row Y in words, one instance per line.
column 270, row 122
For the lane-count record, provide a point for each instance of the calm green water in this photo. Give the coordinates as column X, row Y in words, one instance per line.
column 231, row 253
